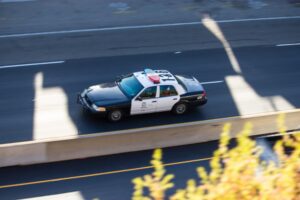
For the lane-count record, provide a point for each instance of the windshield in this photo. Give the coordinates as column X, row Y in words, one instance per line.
column 130, row 85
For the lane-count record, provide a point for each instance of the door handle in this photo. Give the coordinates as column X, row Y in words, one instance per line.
column 154, row 101
column 175, row 99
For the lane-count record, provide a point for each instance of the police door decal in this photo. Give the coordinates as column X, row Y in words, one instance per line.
column 145, row 102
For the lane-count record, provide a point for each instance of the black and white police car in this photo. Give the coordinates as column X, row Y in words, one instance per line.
column 143, row 92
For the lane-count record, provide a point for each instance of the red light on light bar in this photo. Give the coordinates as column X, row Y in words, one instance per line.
column 152, row 75
column 154, row 78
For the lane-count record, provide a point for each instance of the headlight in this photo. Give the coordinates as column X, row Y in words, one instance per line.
column 101, row 109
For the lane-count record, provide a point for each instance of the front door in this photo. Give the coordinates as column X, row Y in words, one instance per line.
column 145, row 102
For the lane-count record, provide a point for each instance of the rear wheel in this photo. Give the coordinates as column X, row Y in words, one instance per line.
column 179, row 108
column 115, row 115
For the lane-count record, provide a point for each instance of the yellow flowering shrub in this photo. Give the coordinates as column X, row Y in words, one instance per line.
column 236, row 174
column 157, row 183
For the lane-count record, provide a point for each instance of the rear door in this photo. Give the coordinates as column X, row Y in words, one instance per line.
column 145, row 102
column 168, row 97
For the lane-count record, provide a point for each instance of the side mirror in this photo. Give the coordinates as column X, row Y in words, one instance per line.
column 139, row 99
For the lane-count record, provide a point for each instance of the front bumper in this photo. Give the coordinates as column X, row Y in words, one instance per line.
column 86, row 104
column 82, row 101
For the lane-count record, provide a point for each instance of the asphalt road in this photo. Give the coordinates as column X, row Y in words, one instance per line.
column 39, row 102
column 28, row 111
column 27, row 16
column 106, row 186
column 105, row 178
column 139, row 40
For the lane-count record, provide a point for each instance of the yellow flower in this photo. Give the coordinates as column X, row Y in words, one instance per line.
column 236, row 173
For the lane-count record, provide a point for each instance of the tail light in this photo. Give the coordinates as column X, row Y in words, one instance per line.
column 204, row 93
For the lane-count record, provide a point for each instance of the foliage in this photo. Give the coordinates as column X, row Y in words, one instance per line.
column 236, row 173
column 157, row 183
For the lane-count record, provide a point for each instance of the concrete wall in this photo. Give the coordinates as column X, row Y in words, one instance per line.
column 136, row 139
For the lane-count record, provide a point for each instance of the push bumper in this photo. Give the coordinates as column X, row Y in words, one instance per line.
column 81, row 99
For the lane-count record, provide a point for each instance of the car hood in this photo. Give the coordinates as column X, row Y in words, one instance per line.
column 106, row 94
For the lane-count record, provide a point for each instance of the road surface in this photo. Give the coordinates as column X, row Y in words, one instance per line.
column 39, row 102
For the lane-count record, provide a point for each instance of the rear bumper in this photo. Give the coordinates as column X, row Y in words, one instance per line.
column 199, row 102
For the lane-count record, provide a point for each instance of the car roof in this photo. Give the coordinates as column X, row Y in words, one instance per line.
column 166, row 78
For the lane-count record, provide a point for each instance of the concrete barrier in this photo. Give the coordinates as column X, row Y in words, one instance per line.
column 34, row 152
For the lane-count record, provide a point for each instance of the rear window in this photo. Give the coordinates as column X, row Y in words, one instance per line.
column 190, row 84
column 180, row 83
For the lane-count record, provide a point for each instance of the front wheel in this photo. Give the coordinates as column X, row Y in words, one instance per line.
column 179, row 108
column 115, row 115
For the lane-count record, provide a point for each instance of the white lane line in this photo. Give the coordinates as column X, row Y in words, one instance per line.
column 211, row 82
column 14, row 1
column 31, row 64
column 97, row 29
column 143, row 26
column 291, row 44
column 258, row 19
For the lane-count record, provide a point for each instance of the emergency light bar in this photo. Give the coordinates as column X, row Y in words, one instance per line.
column 154, row 77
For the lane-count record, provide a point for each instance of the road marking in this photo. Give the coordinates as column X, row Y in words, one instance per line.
column 144, row 26
column 99, row 174
column 211, row 82
column 31, row 64
column 14, row 1
column 291, row 44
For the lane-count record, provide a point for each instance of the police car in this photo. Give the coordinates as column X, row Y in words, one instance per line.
column 147, row 91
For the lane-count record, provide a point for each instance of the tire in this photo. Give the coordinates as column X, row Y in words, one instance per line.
column 180, row 108
column 115, row 115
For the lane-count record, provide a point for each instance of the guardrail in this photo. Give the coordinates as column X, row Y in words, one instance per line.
column 34, row 152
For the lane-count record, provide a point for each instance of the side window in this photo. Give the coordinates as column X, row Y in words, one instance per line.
column 167, row 90
column 149, row 93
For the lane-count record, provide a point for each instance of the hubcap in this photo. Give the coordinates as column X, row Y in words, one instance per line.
column 116, row 115
column 180, row 108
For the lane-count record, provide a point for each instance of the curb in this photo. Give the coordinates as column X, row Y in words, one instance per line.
column 99, row 144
